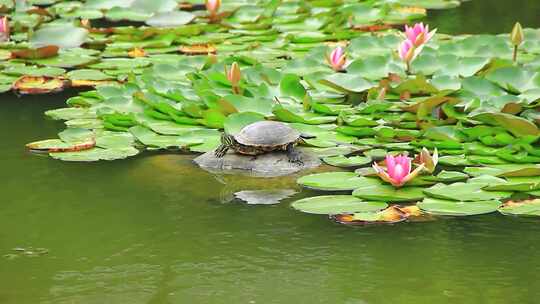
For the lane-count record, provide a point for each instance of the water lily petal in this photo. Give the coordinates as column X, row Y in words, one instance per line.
column 413, row 174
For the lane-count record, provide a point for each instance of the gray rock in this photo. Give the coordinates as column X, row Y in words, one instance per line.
column 264, row 165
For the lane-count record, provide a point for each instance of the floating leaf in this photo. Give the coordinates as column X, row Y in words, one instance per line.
column 42, row 52
column 470, row 191
column 39, row 85
column 151, row 139
column 510, row 170
column 514, row 124
column 62, row 36
column 332, row 181
column 458, row 208
column 96, row 154
column 237, row 121
column 170, row 19
column 523, row 208
column 374, row 189
column 343, row 161
column 347, row 83
column 389, row 215
column 336, row 204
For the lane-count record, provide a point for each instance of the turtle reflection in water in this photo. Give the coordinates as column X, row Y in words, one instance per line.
column 263, row 137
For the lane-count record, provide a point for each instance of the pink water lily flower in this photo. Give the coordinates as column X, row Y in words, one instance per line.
column 408, row 52
column 419, row 34
column 212, row 6
column 398, row 170
column 337, row 59
column 4, row 29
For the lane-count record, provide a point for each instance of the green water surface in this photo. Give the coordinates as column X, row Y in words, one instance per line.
column 156, row 229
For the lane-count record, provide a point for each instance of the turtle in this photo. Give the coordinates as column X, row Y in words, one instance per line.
column 263, row 137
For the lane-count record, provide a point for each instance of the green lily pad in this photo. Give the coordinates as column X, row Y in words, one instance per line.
column 62, row 35
column 448, row 176
column 332, row 181
column 531, row 208
column 151, row 139
column 347, row 162
column 96, row 154
column 237, row 121
column 509, row 170
column 373, row 189
column 347, row 83
column 521, row 184
column 458, row 208
column 114, row 140
column 87, row 74
column 170, row 19
column 336, row 204
column 470, row 191
column 514, row 124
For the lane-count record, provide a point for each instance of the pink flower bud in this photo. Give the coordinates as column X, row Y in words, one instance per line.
column 233, row 74
column 337, row 59
column 212, row 6
column 4, row 28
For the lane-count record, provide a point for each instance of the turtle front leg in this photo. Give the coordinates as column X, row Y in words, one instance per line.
column 221, row 151
column 227, row 141
column 293, row 155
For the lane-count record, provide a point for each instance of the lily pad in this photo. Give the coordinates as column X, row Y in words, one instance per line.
column 336, row 204
column 61, row 35
column 347, row 162
column 458, row 208
column 469, row 191
column 526, row 208
column 373, row 189
column 332, row 181
column 390, row 215
column 96, row 154
column 170, row 19
column 39, row 85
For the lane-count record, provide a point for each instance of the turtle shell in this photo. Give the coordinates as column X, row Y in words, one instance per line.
column 267, row 134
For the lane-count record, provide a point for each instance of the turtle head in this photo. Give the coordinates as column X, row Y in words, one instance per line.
column 227, row 140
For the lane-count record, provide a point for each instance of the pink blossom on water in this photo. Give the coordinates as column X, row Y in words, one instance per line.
column 4, row 29
column 212, row 6
column 419, row 34
column 407, row 51
column 398, row 170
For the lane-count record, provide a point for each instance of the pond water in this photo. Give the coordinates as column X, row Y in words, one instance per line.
column 156, row 229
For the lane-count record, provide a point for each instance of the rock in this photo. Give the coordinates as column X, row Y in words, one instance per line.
column 264, row 165
column 264, row 197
